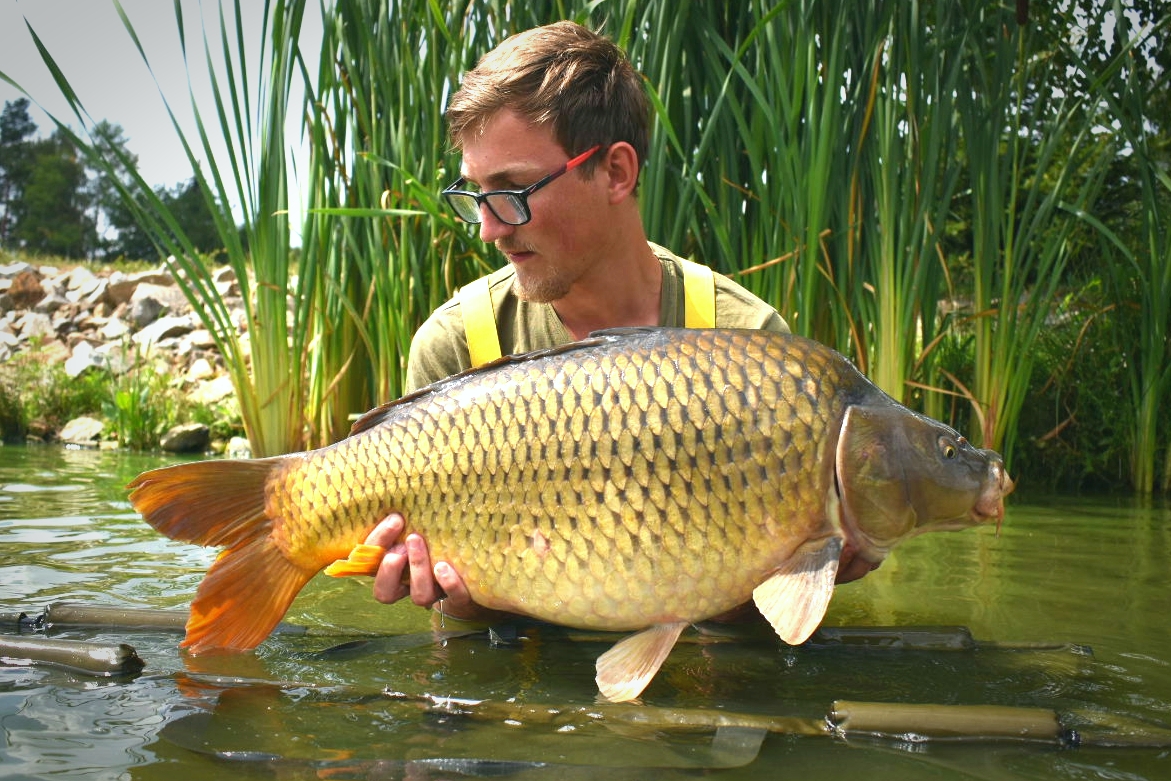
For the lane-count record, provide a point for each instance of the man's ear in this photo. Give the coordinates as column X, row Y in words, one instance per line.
column 620, row 165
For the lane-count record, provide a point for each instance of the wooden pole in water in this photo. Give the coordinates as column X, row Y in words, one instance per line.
column 991, row 722
column 104, row 659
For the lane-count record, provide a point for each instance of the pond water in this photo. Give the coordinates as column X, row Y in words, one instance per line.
column 1069, row 604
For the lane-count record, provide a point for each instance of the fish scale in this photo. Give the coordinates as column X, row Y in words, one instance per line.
column 639, row 479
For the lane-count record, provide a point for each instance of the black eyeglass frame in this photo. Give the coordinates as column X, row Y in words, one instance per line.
column 517, row 199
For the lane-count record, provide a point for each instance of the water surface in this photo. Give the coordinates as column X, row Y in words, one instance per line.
column 1070, row 603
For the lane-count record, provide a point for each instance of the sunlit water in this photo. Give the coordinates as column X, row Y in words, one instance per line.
column 1066, row 573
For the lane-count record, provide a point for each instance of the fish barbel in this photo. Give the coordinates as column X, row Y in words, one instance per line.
column 640, row 479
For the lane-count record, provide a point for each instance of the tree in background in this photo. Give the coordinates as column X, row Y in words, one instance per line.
column 16, row 132
column 51, row 217
column 189, row 207
column 102, row 190
column 56, row 201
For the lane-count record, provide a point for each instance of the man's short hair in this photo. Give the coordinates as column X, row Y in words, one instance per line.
column 560, row 74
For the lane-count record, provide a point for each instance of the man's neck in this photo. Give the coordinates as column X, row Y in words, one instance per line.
column 622, row 290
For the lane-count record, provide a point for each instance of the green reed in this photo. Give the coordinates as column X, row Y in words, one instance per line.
column 1034, row 167
column 1140, row 267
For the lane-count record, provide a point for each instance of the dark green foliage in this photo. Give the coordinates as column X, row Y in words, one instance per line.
column 186, row 202
column 1074, row 431
column 36, row 395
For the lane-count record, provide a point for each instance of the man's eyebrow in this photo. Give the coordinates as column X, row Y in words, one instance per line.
column 506, row 177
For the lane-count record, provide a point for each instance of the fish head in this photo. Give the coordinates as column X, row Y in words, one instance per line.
column 900, row 474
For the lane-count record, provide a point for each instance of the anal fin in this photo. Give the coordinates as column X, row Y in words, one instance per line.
column 626, row 669
column 794, row 599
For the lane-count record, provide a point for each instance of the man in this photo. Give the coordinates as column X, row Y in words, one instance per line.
column 553, row 126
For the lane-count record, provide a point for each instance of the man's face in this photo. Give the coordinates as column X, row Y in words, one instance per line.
column 552, row 251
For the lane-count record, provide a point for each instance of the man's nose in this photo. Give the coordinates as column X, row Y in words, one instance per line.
column 491, row 226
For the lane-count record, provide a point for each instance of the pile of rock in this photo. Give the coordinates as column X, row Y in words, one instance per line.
column 111, row 319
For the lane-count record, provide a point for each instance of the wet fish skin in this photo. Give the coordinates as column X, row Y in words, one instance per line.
column 594, row 493
column 643, row 478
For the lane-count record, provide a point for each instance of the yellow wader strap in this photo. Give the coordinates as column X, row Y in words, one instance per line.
column 699, row 295
column 475, row 302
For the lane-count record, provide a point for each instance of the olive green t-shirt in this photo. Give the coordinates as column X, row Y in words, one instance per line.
column 440, row 346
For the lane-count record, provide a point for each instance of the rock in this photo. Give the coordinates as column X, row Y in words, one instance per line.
column 187, row 438
column 10, row 270
column 85, row 356
column 144, row 311
column 201, row 339
column 116, row 357
column 159, row 277
column 226, row 283
column 26, row 289
column 115, row 328
column 81, row 431
column 170, row 295
column 34, row 324
column 80, row 278
column 53, row 351
column 51, row 302
column 91, row 295
column 163, row 328
column 200, row 369
column 211, row 391
column 38, row 430
column 120, row 288
column 239, row 447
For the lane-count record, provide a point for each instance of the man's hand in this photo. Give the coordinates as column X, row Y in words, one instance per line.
column 406, row 570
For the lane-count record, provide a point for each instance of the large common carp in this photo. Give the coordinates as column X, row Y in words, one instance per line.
column 640, row 479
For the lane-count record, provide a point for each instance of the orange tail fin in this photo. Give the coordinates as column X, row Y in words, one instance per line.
column 250, row 586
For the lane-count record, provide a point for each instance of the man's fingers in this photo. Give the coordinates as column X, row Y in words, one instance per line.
column 387, row 532
column 388, row 583
column 424, row 589
column 455, row 593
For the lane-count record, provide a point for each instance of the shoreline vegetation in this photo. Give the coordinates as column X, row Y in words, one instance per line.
column 95, row 356
column 857, row 166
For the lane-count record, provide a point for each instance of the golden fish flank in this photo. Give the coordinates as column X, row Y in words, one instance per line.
column 638, row 480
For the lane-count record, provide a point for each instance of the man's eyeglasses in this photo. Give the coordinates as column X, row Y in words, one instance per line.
column 509, row 206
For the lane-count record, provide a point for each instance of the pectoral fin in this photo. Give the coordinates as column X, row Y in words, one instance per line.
column 626, row 669
column 794, row 599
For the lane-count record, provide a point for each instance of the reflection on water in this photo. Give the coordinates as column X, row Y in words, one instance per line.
column 1064, row 575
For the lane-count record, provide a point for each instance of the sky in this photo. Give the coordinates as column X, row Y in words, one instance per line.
column 98, row 57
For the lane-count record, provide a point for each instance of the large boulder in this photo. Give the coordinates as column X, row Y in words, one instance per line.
column 81, row 431
column 187, row 438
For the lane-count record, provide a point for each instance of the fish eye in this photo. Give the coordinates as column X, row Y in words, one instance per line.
column 948, row 448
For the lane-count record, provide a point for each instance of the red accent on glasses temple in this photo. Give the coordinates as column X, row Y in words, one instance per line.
column 575, row 162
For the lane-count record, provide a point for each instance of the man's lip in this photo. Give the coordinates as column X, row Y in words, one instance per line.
column 518, row 256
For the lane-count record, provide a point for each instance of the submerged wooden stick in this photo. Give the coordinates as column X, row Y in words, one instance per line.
column 989, row 722
column 103, row 659
column 75, row 614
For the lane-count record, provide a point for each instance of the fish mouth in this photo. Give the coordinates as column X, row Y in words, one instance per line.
column 990, row 504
